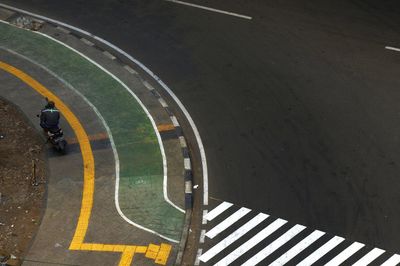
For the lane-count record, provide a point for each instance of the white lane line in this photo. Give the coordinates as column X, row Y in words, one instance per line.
column 218, row 210
column 392, row 261
column 294, row 251
column 234, row 236
column 149, row 72
column 392, row 48
column 210, row 9
column 249, row 244
column 345, row 254
column 271, row 248
column 233, row 218
column 368, row 258
column 320, row 252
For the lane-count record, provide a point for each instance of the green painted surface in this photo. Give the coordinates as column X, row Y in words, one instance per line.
column 141, row 168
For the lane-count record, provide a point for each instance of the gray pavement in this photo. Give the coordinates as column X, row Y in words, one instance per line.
column 65, row 173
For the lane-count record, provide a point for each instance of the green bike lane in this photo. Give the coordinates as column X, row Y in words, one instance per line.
column 141, row 172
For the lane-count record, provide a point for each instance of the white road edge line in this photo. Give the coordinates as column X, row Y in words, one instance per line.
column 154, row 76
column 209, row 9
column 217, row 210
column 320, row 252
column 345, row 254
column 298, row 248
column 392, row 48
column 101, row 119
column 370, row 257
column 271, row 248
column 233, row 218
column 117, row 160
column 233, row 237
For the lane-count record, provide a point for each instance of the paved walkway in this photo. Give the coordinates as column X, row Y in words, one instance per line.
column 110, row 193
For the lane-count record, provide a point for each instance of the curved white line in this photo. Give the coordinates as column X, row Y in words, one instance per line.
column 117, row 166
column 149, row 72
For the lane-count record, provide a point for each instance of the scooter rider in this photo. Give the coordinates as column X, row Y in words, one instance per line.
column 50, row 117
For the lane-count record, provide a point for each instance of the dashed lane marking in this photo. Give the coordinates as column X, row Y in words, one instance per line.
column 210, row 9
column 77, row 242
column 392, row 48
column 277, row 241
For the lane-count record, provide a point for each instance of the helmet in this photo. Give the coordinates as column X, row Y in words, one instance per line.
column 50, row 104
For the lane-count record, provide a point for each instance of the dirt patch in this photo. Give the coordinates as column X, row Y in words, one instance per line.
column 21, row 201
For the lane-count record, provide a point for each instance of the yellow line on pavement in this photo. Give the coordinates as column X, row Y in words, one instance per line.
column 95, row 137
column 165, row 127
column 77, row 242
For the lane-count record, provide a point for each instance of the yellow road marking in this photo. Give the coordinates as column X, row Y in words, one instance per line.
column 98, row 136
column 165, row 127
column 77, row 242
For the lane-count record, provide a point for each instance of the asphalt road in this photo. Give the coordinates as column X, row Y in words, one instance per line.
column 298, row 107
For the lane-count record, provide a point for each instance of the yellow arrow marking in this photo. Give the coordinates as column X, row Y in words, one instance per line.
column 77, row 242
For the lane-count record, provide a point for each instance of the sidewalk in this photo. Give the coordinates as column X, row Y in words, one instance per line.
column 132, row 209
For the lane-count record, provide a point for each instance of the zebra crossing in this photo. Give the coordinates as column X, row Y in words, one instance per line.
column 234, row 235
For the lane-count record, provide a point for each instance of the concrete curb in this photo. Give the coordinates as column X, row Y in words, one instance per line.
column 110, row 52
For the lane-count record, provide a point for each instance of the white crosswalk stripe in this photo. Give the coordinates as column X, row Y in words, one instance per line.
column 345, row 254
column 252, row 242
column 320, row 252
column 239, row 236
column 227, row 222
column 392, row 261
column 370, row 257
column 218, row 210
column 233, row 237
column 302, row 245
column 268, row 250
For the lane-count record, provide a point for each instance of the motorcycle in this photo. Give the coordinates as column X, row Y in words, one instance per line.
column 56, row 137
